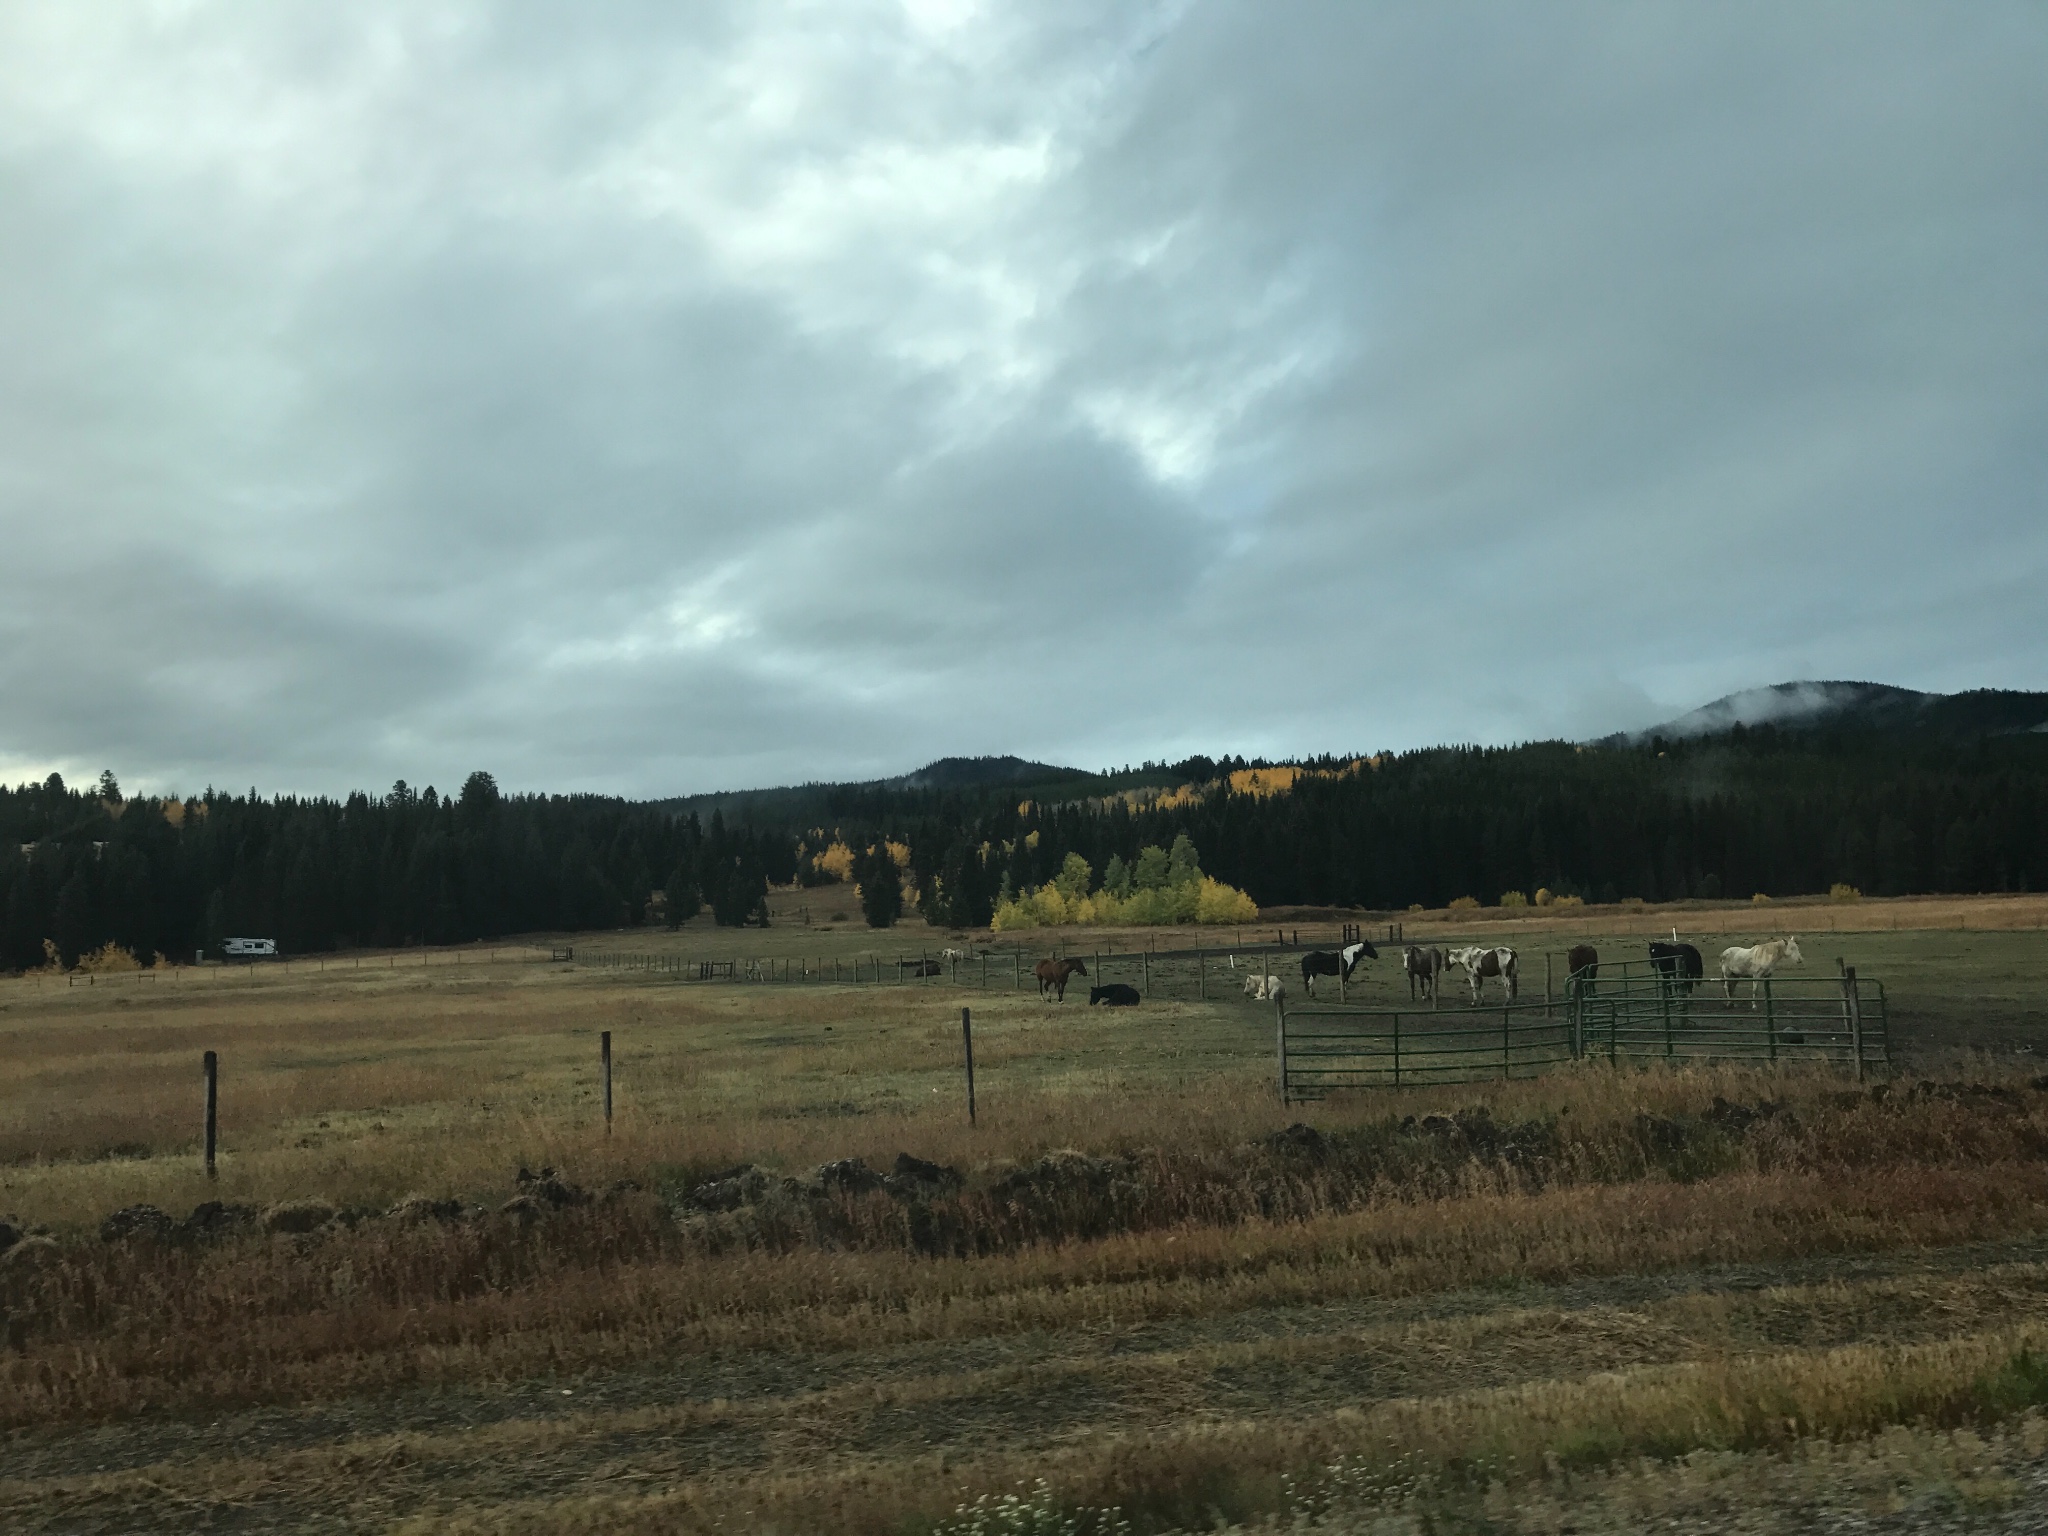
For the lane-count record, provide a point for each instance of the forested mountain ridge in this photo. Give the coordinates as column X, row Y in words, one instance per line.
column 1871, row 706
column 1889, row 808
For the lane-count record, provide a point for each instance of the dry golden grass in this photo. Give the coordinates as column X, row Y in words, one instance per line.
column 1409, row 1303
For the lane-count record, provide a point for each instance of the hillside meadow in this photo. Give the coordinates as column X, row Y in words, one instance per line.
column 1138, row 1290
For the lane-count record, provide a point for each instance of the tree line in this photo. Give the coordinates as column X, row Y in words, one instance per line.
column 1752, row 811
column 83, row 868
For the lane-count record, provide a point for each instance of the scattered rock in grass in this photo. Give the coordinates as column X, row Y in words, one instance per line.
column 845, row 1176
column 549, row 1188
column 133, row 1222
column 915, row 1179
column 523, row 1209
column 298, row 1217
column 1661, row 1135
column 420, row 1209
column 1064, row 1172
column 212, row 1219
column 728, row 1191
column 1299, row 1141
column 29, row 1256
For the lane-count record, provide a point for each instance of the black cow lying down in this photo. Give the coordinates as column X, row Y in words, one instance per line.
column 1115, row 995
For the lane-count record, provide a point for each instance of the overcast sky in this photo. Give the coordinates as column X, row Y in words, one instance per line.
column 655, row 398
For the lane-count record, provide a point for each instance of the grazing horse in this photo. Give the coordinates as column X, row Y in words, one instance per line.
column 1754, row 963
column 1582, row 964
column 1480, row 963
column 1053, row 974
column 1678, row 966
column 1423, row 963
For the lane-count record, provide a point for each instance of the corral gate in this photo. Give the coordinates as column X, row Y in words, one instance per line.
column 1629, row 1013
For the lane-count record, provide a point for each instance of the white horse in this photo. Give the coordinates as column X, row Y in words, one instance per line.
column 1754, row 964
column 1264, row 989
column 1480, row 963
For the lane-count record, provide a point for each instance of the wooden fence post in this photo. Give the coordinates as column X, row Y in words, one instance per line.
column 210, row 1065
column 1547, row 958
column 1202, row 974
column 1280, row 1027
column 604, row 1056
column 1855, row 1003
column 967, row 1040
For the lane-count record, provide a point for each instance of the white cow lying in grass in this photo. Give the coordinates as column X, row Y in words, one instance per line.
column 1754, row 963
column 1264, row 989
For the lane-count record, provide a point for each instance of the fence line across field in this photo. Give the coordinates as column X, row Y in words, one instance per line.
column 1635, row 1015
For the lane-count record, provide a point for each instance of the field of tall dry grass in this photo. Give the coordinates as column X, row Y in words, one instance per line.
column 793, row 1289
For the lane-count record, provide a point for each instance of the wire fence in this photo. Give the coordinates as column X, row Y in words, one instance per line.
column 1631, row 1013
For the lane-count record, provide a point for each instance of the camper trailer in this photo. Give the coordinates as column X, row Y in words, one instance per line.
column 250, row 949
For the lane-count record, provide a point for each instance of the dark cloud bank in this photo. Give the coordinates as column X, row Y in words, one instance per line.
column 652, row 405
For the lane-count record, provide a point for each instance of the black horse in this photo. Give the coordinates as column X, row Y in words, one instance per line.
column 1678, row 966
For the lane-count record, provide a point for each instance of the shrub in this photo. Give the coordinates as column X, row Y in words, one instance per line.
column 1759, row 900
column 1513, row 899
column 1568, row 901
column 1840, row 891
column 1465, row 904
column 1543, row 896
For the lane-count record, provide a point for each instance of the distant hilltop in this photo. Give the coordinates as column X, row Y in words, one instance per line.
column 1869, row 706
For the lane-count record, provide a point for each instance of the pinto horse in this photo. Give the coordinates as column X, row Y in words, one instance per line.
column 1480, row 963
column 1324, row 962
column 1053, row 974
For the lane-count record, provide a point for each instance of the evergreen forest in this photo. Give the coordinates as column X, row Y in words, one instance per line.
column 1764, row 810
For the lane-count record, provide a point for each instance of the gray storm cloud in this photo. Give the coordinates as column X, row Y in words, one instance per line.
column 630, row 400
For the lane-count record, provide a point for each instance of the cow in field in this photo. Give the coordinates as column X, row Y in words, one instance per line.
column 1678, row 966
column 1754, row 964
column 1115, row 995
column 1582, row 964
column 1480, row 962
column 1422, row 963
column 1052, row 976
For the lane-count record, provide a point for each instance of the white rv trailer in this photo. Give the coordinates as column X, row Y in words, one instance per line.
column 250, row 949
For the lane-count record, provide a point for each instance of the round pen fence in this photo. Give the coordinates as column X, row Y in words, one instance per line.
column 1632, row 1012
column 1329, row 1046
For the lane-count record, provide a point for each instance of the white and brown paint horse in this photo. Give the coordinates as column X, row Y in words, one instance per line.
column 1754, row 964
column 1480, row 963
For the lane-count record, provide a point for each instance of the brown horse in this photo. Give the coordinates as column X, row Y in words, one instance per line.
column 1582, row 962
column 1054, row 974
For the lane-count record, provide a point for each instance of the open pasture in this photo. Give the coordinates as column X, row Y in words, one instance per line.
column 1699, row 1294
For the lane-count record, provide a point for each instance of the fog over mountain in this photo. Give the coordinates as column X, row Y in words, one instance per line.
column 1796, row 706
column 656, row 400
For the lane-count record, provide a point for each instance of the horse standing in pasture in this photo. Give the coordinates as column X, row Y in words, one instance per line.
column 1754, row 964
column 1053, row 974
column 1324, row 962
column 1480, row 963
column 1423, row 963
column 1582, row 964
column 1678, row 966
